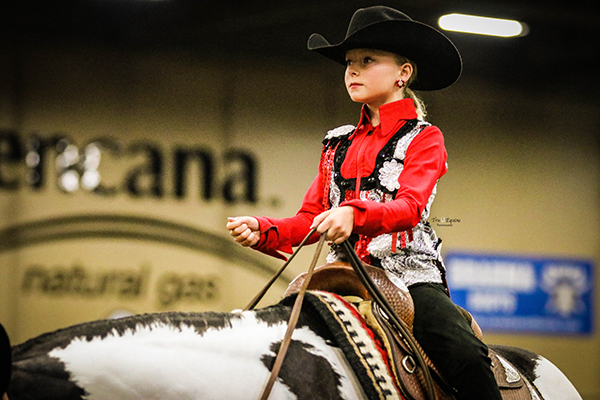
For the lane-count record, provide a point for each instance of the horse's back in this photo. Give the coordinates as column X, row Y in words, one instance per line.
column 548, row 380
column 177, row 355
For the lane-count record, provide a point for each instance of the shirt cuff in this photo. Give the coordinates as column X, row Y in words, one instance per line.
column 365, row 214
column 269, row 240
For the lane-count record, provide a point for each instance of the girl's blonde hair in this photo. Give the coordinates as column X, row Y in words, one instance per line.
column 408, row 92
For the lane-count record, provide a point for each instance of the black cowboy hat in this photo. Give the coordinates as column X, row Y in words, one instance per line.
column 5, row 361
column 383, row 28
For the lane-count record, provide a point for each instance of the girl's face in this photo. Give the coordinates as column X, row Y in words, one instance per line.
column 371, row 76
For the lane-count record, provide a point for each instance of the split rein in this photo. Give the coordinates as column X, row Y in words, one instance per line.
column 373, row 290
column 295, row 310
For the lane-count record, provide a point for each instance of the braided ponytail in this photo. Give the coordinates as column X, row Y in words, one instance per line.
column 419, row 104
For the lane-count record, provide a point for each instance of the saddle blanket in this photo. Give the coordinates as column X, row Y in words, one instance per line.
column 363, row 350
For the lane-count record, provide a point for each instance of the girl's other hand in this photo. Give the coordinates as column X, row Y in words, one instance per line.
column 338, row 222
column 244, row 230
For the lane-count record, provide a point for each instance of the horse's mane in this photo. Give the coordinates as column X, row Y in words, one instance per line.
column 199, row 321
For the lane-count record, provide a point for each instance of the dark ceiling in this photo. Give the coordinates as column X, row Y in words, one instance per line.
column 560, row 53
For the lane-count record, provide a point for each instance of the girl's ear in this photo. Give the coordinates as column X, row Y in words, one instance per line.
column 406, row 71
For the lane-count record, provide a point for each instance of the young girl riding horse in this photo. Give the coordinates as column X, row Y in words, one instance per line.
column 376, row 183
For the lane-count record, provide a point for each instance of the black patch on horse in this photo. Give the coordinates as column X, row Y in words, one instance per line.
column 309, row 318
column 523, row 360
column 305, row 367
column 42, row 377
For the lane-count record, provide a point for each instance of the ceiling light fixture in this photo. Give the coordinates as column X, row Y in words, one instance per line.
column 482, row 25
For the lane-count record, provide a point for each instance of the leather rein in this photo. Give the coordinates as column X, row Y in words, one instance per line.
column 371, row 287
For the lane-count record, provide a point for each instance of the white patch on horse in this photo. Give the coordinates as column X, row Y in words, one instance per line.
column 166, row 362
column 553, row 383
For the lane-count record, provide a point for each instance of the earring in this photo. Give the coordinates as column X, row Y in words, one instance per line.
column 400, row 83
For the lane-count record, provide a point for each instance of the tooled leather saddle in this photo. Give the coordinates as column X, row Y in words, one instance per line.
column 340, row 278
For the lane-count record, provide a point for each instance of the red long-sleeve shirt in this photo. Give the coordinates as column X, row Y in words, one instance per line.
column 424, row 165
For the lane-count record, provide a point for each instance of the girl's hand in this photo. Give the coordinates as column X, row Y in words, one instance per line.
column 245, row 230
column 338, row 222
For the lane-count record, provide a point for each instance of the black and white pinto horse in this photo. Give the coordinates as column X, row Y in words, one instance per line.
column 212, row 355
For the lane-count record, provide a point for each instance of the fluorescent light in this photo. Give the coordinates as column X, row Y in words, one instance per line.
column 481, row 25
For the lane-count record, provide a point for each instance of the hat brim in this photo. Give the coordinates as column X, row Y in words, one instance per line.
column 438, row 61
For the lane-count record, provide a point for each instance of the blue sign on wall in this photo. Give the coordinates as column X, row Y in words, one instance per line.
column 523, row 294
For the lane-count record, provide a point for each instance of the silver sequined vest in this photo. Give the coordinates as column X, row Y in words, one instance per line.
column 414, row 255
